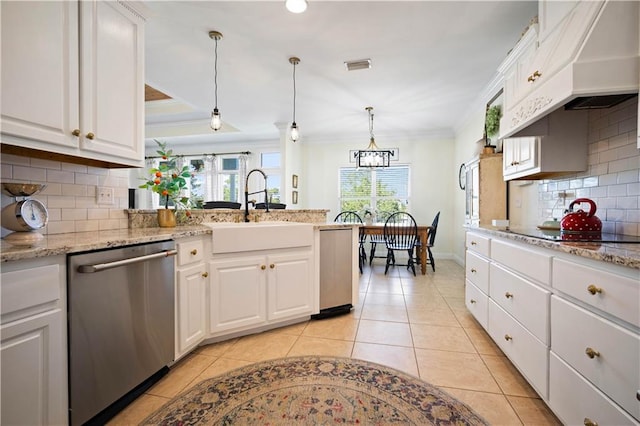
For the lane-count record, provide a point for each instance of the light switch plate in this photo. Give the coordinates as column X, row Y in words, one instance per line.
column 104, row 195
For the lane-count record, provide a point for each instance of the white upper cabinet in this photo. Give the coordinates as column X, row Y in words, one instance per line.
column 578, row 48
column 73, row 81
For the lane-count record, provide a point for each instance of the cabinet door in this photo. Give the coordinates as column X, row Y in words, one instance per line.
column 33, row 384
column 237, row 293
column 518, row 80
column 112, row 82
column 290, row 285
column 191, row 307
column 520, row 155
column 40, row 91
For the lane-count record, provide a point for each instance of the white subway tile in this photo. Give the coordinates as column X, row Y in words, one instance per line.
column 74, row 214
column 632, row 216
column 87, row 225
column 619, row 140
column 627, row 202
column 6, row 171
column 59, row 201
column 74, row 190
column 109, row 224
column 60, row 176
column 45, row 164
column 54, row 214
column 629, row 125
column 52, row 189
column 118, row 214
column 613, row 215
column 16, row 160
column 621, row 165
column 60, row 227
column 627, row 228
column 609, row 131
column 608, row 179
column 590, row 181
column 617, row 190
column 86, row 202
column 575, row 183
column 633, row 189
column 97, row 214
column 73, row 167
column 628, row 176
column 29, row 174
column 86, row 179
column 97, row 171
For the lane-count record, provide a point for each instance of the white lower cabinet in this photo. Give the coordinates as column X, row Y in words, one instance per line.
column 576, row 401
column 604, row 353
column 477, row 303
column 527, row 353
column 192, row 278
column 570, row 324
column 252, row 289
column 33, row 347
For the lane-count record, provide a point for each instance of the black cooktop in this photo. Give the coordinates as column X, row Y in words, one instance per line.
column 556, row 235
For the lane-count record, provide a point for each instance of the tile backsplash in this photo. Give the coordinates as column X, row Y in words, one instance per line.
column 70, row 195
column 612, row 180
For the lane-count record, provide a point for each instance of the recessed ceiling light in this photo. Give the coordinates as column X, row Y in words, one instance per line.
column 296, row 6
column 361, row 64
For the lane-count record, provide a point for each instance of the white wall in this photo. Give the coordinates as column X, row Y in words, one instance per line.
column 433, row 179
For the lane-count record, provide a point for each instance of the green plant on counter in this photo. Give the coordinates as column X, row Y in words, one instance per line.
column 168, row 180
column 492, row 120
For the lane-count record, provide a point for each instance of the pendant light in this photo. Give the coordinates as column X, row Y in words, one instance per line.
column 373, row 156
column 296, row 6
column 295, row 133
column 216, row 121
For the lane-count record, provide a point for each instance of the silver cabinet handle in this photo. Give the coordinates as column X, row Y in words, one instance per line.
column 88, row 269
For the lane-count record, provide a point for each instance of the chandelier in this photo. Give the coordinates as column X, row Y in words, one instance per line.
column 373, row 156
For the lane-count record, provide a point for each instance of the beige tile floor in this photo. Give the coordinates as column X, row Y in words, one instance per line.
column 416, row 324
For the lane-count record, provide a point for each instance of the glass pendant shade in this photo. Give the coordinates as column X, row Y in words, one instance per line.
column 216, row 121
column 295, row 133
column 296, row 6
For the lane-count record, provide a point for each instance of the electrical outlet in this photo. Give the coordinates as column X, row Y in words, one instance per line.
column 104, row 195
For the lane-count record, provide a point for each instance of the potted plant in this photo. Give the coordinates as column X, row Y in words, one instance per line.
column 168, row 180
column 492, row 125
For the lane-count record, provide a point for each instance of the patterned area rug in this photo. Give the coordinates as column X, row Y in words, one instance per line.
column 314, row 391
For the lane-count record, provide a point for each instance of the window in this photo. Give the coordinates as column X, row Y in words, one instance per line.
column 270, row 164
column 382, row 191
column 229, row 186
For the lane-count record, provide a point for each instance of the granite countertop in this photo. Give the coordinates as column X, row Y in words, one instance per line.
column 75, row 242
column 616, row 253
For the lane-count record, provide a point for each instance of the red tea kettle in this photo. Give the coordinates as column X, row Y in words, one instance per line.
column 581, row 222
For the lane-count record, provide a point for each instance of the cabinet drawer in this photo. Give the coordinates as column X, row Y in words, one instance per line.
column 478, row 243
column 615, row 370
column 31, row 287
column 574, row 399
column 531, row 263
column 615, row 294
column 526, row 352
column 526, row 302
column 477, row 271
column 190, row 252
column 477, row 303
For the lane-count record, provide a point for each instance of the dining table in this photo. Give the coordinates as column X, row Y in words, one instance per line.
column 423, row 235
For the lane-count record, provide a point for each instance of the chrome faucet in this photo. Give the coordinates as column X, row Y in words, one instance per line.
column 247, row 193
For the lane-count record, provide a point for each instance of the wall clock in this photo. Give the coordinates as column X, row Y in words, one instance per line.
column 462, row 176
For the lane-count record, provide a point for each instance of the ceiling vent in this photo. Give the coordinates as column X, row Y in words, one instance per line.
column 361, row 64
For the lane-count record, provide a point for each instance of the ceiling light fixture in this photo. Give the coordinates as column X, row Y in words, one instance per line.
column 296, row 6
column 373, row 156
column 295, row 133
column 216, row 121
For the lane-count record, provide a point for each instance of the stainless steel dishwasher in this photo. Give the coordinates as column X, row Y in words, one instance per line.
column 336, row 272
column 121, row 326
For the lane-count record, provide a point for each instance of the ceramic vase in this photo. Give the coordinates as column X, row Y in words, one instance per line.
column 166, row 218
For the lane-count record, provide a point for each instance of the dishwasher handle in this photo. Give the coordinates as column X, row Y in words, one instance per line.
column 88, row 269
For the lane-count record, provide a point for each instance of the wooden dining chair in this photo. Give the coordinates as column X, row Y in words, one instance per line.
column 376, row 239
column 400, row 234
column 431, row 240
column 353, row 217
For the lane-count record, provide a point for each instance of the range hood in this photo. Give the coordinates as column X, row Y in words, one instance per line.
column 590, row 60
